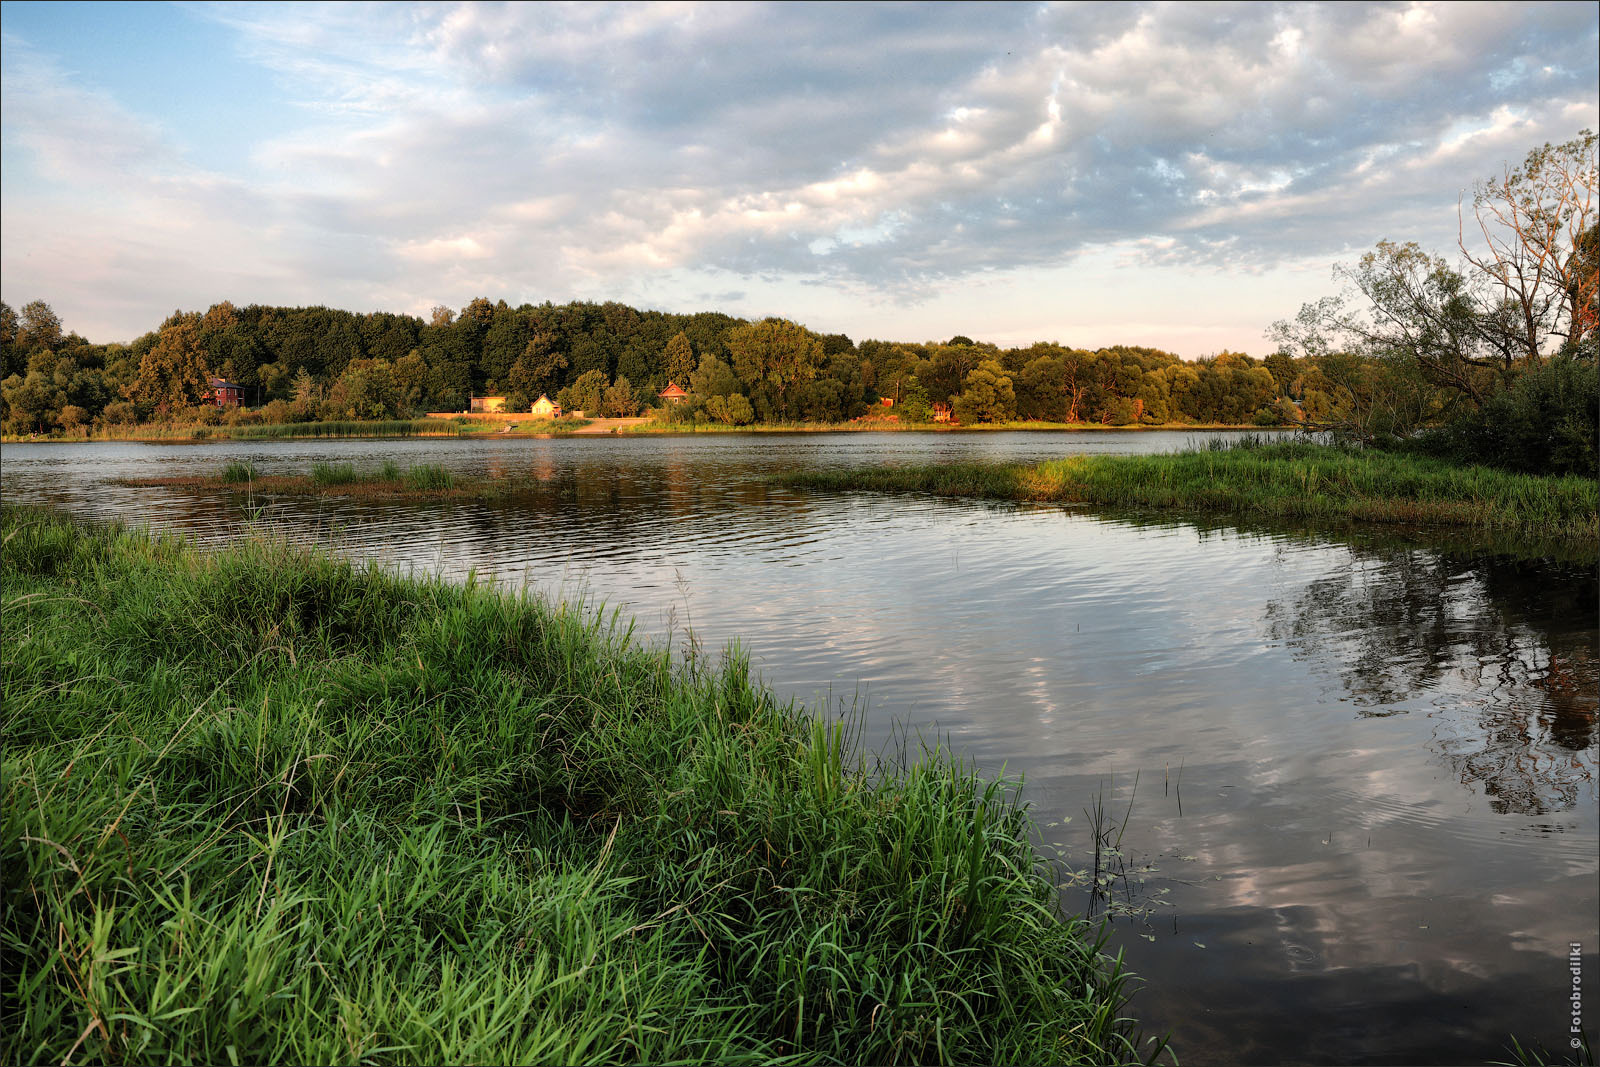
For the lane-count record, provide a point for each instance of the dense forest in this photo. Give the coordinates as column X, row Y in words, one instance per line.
column 1415, row 340
column 299, row 364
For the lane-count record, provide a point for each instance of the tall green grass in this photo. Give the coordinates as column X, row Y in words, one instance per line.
column 265, row 806
column 428, row 476
column 323, row 473
column 1279, row 480
column 239, row 472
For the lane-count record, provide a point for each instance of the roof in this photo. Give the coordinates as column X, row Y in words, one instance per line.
column 672, row 390
column 219, row 383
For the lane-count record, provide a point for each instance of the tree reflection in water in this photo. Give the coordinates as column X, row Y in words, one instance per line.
column 1500, row 652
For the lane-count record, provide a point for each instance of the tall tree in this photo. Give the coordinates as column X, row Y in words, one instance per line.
column 775, row 354
column 680, row 359
column 173, row 374
column 40, row 327
column 1532, row 219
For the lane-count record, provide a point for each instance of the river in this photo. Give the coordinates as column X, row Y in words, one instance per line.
column 1353, row 777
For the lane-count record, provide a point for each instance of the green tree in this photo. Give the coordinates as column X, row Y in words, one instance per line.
column 732, row 409
column 618, row 401
column 40, row 326
column 775, row 354
column 988, row 395
column 173, row 374
column 714, row 378
column 680, row 359
column 587, row 394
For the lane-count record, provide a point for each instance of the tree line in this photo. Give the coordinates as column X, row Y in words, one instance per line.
column 299, row 364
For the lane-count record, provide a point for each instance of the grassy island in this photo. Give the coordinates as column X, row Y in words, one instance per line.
column 388, row 479
column 261, row 805
column 1287, row 480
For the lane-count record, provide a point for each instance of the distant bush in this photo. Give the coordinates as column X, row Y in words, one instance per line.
column 1548, row 422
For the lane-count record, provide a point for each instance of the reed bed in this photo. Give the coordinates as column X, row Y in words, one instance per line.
column 1281, row 480
column 262, row 805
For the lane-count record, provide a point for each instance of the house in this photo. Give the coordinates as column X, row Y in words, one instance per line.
column 225, row 394
column 488, row 403
column 673, row 394
column 942, row 413
column 886, row 401
column 545, row 408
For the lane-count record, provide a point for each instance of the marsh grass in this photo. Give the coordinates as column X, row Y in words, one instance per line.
column 428, row 476
column 337, row 474
column 239, row 472
column 1265, row 479
column 261, row 805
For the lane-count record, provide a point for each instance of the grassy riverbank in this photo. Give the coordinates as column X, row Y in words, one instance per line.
column 1285, row 480
column 264, row 806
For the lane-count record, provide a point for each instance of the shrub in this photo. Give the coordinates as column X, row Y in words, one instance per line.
column 1546, row 423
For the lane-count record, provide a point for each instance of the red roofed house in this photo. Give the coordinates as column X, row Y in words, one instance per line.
column 225, row 394
column 672, row 394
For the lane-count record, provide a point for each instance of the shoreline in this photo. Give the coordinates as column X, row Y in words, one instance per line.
column 630, row 428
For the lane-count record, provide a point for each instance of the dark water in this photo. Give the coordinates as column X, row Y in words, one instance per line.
column 1365, row 822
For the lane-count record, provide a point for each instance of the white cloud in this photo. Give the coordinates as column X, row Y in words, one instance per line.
column 885, row 154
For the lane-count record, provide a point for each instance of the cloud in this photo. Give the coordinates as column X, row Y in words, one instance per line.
column 584, row 150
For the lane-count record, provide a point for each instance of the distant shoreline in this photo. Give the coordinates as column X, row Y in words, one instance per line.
column 633, row 428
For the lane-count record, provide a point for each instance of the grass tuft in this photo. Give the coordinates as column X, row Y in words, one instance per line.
column 334, row 474
column 428, row 477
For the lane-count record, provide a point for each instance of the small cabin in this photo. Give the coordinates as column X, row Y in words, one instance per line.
column 225, row 394
column 886, row 401
column 487, row 404
column 673, row 394
column 545, row 408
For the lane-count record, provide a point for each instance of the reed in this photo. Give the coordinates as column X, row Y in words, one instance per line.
column 262, row 805
column 1296, row 480
column 428, row 477
column 336, row 474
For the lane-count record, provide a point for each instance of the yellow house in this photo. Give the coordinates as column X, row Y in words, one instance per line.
column 545, row 408
column 488, row 403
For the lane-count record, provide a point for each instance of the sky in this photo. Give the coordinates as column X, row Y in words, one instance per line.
column 1176, row 175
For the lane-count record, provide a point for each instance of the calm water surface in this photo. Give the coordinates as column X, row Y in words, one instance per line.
column 1364, row 827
